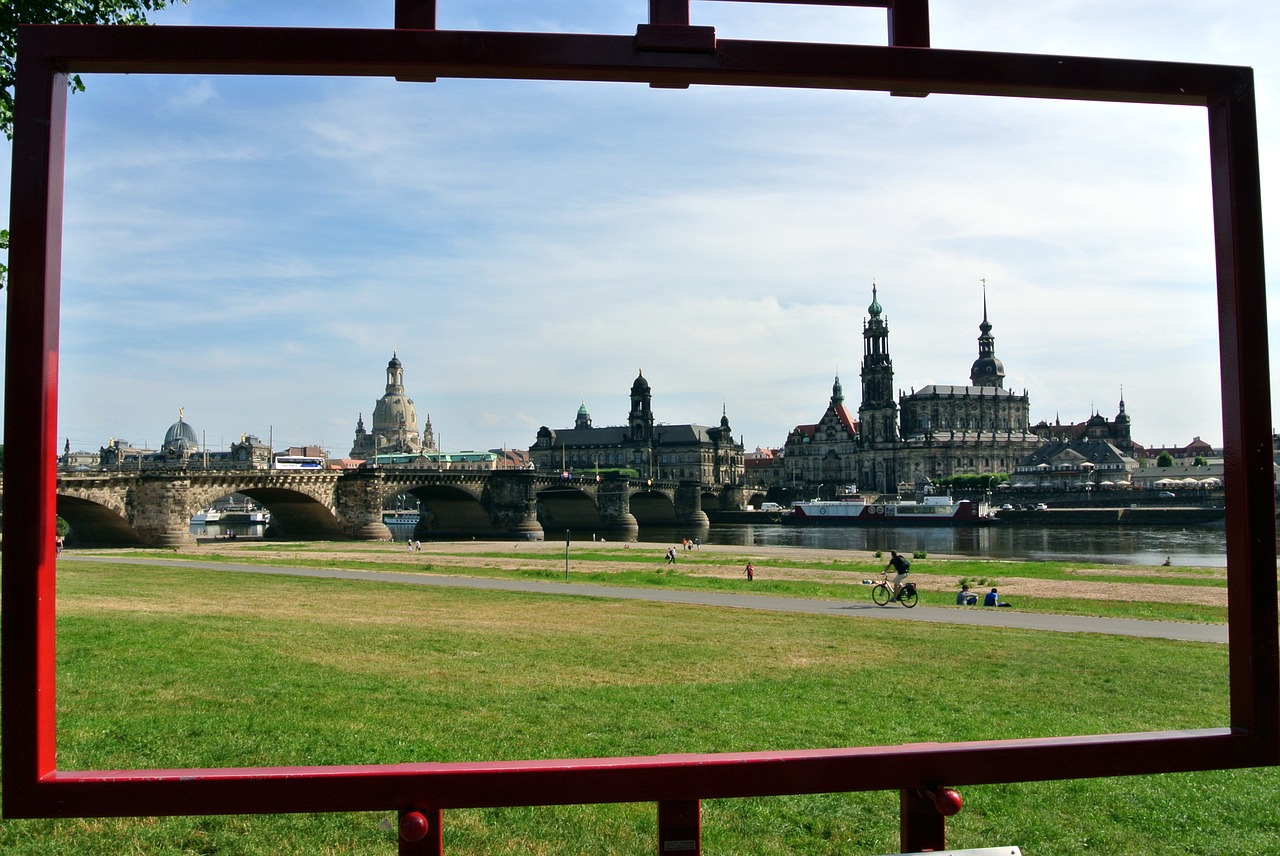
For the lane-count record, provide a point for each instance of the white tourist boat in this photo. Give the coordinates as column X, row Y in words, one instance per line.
column 854, row 509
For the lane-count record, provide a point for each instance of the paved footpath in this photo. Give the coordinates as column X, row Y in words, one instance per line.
column 974, row 615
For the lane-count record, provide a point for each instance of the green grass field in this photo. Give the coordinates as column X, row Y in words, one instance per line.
column 168, row 668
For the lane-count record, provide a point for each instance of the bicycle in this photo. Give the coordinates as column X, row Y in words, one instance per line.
column 882, row 592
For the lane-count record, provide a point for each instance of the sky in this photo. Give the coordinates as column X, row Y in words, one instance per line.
column 253, row 250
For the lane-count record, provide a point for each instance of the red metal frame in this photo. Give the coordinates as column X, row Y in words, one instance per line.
column 33, row 786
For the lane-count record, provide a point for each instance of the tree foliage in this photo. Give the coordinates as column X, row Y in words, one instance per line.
column 972, row 481
column 1165, row 460
column 15, row 12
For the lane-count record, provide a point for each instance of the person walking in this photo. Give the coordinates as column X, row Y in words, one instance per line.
column 751, row 572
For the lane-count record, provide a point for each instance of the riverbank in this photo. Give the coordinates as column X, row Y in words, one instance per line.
column 1198, row 586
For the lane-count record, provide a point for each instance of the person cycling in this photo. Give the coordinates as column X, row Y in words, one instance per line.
column 901, row 568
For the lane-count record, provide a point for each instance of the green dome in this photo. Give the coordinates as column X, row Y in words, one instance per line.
column 874, row 309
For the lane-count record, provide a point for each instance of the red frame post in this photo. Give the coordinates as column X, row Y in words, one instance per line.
column 420, row 832
column 680, row 827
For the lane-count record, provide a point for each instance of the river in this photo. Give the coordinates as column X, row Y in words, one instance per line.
column 1201, row 546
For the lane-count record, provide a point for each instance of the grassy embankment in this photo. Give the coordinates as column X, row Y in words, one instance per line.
column 174, row 668
column 1112, row 591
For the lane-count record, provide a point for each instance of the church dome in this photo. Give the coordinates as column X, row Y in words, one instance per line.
column 181, row 438
column 640, row 383
column 394, row 363
column 875, row 309
column 181, row 432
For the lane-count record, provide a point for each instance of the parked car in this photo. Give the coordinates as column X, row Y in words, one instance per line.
column 1040, row 506
column 1167, row 494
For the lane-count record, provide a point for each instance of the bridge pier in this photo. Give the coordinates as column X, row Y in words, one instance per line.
column 689, row 506
column 511, row 501
column 161, row 512
column 359, row 506
column 613, row 499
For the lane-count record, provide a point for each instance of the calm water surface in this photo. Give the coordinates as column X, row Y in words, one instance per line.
column 1203, row 545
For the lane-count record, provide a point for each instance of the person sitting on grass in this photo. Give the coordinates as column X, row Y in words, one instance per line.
column 993, row 599
column 964, row 597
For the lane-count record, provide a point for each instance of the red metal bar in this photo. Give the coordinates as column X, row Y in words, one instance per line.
column 554, row 56
column 922, row 827
column 415, row 14
column 27, row 587
column 1247, row 425
column 669, row 13
column 680, row 827
column 643, row 779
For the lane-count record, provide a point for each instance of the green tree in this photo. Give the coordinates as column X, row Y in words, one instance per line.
column 1165, row 460
column 1200, row 461
column 15, row 12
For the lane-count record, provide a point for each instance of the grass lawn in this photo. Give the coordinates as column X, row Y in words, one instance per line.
column 171, row 668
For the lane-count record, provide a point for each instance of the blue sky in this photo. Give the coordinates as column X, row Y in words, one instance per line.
column 252, row 249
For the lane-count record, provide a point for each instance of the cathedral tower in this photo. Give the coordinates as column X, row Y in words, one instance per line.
column 987, row 369
column 878, row 412
column 640, row 419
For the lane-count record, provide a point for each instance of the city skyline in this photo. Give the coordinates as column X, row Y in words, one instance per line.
column 254, row 249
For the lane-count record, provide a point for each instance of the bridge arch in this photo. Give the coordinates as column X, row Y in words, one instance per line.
column 562, row 507
column 654, row 507
column 95, row 524
column 446, row 511
column 296, row 515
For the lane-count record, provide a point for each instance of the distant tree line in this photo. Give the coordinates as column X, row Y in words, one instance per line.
column 969, row 481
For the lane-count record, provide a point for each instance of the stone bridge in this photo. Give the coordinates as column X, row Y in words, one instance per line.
column 154, row 508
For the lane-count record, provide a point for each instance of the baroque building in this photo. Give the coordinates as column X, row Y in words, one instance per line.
column 903, row 444
column 651, row 449
column 182, row 450
column 394, row 428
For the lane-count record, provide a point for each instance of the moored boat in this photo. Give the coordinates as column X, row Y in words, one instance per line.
column 208, row 515
column 856, row 510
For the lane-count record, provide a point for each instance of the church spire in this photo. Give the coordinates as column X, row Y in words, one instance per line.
column 987, row 369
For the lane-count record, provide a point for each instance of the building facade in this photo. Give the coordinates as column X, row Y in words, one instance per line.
column 182, row 450
column 647, row 448
column 896, row 445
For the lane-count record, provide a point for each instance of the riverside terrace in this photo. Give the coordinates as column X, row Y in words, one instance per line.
column 154, row 508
